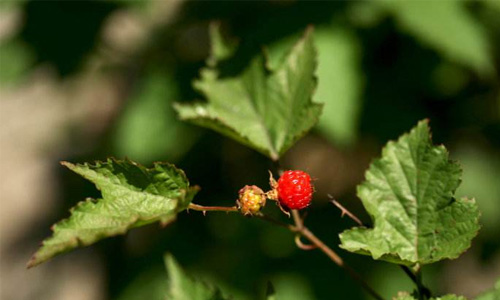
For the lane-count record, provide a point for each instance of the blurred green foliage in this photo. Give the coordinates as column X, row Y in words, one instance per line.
column 382, row 67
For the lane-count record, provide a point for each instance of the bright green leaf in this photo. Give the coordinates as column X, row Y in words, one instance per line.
column 268, row 112
column 340, row 83
column 132, row 196
column 494, row 294
column 409, row 193
column 447, row 27
column 182, row 287
column 148, row 129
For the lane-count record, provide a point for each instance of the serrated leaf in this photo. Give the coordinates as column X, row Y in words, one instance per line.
column 182, row 287
column 268, row 112
column 447, row 27
column 409, row 195
column 493, row 294
column 132, row 196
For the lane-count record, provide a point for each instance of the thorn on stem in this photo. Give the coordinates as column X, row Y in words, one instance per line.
column 345, row 211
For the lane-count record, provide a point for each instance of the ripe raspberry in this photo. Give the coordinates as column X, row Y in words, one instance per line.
column 251, row 200
column 295, row 189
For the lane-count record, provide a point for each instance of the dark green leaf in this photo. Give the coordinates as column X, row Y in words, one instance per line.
column 182, row 287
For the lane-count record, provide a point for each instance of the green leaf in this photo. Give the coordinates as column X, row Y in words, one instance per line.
column 409, row 195
column 340, row 83
column 150, row 285
column 408, row 296
column 404, row 296
column 268, row 112
column 494, row 294
column 450, row 297
column 447, row 27
column 132, row 196
column 148, row 129
column 220, row 48
column 182, row 287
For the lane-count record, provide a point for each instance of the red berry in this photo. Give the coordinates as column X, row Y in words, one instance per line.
column 295, row 189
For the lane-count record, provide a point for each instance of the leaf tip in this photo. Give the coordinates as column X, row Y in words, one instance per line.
column 67, row 164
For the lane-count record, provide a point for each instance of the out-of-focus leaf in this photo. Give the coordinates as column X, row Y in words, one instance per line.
column 447, row 27
column 151, row 285
column 270, row 293
column 480, row 178
column 132, row 196
column 15, row 60
column 182, row 287
column 220, row 48
column 149, row 130
column 494, row 294
column 290, row 287
column 407, row 296
column 404, row 296
column 409, row 193
column 340, row 83
column 268, row 112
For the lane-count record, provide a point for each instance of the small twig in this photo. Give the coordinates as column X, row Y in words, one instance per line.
column 204, row 209
column 317, row 243
column 297, row 219
column 303, row 246
column 276, row 222
column 423, row 292
column 345, row 211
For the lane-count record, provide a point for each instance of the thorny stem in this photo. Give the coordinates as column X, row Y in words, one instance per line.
column 423, row 292
column 346, row 212
column 305, row 232
column 300, row 229
column 204, row 209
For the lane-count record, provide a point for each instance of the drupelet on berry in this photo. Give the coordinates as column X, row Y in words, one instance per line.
column 295, row 189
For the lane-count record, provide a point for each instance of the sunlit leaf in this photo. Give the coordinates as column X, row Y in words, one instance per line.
column 409, row 193
column 447, row 27
column 132, row 196
column 268, row 112
column 340, row 83
column 148, row 130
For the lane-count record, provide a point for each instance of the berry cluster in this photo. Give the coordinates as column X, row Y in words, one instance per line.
column 293, row 190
